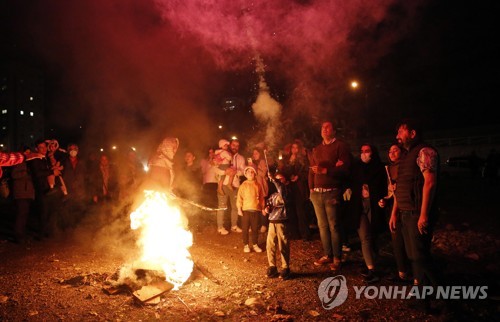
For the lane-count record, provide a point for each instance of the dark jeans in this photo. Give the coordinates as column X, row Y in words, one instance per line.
column 365, row 237
column 22, row 213
column 228, row 198
column 71, row 213
column 418, row 248
column 263, row 221
column 210, row 194
column 326, row 205
column 250, row 219
column 300, row 211
column 398, row 247
column 47, row 210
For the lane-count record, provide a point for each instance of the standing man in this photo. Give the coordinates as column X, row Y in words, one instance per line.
column 330, row 164
column 74, row 173
column 236, row 172
column 414, row 202
column 46, row 195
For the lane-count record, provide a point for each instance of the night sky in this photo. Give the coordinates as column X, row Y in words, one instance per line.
column 143, row 69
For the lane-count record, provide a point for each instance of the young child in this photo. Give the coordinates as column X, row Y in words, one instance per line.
column 276, row 208
column 222, row 159
column 250, row 204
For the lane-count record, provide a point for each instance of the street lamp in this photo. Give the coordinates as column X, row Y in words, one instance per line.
column 364, row 115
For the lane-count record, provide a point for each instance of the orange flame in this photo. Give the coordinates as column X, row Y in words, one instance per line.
column 164, row 238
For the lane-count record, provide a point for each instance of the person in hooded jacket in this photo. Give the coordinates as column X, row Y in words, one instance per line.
column 276, row 208
column 161, row 173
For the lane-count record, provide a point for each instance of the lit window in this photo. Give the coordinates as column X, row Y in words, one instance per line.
column 21, row 112
column 4, row 111
column 32, row 114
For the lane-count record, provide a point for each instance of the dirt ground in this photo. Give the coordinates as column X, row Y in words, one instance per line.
column 66, row 278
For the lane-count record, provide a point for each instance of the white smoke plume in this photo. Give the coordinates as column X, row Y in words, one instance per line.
column 266, row 109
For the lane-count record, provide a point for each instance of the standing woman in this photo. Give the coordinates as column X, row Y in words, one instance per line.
column 368, row 185
column 387, row 202
column 259, row 164
column 297, row 169
column 104, row 181
column 209, row 179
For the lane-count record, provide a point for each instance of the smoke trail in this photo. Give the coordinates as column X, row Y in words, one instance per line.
column 266, row 109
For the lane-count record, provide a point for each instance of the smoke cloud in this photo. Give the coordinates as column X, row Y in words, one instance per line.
column 314, row 44
column 138, row 71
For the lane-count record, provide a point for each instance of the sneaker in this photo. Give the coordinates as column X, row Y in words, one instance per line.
column 395, row 278
column 222, row 231
column 364, row 272
column 272, row 272
column 257, row 249
column 285, row 274
column 371, row 277
column 336, row 265
column 263, row 229
column 246, row 249
column 346, row 248
column 236, row 229
column 323, row 261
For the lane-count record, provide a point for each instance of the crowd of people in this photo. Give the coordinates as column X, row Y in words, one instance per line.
column 56, row 187
column 325, row 188
column 329, row 189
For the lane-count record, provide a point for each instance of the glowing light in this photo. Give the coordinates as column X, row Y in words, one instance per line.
column 102, row 150
column 234, row 137
column 114, row 147
column 164, row 239
column 354, row 84
column 220, row 126
column 280, row 156
column 133, row 148
column 146, row 168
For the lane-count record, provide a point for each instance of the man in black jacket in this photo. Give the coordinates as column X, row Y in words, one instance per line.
column 46, row 194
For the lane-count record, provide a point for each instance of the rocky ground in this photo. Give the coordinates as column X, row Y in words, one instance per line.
column 69, row 277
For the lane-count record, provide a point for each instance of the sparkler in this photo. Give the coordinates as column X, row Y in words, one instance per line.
column 388, row 174
column 265, row 158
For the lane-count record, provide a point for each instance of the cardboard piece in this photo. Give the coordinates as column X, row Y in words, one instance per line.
column 150, row 294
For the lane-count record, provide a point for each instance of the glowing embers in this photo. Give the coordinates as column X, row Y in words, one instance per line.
column 163, row 238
